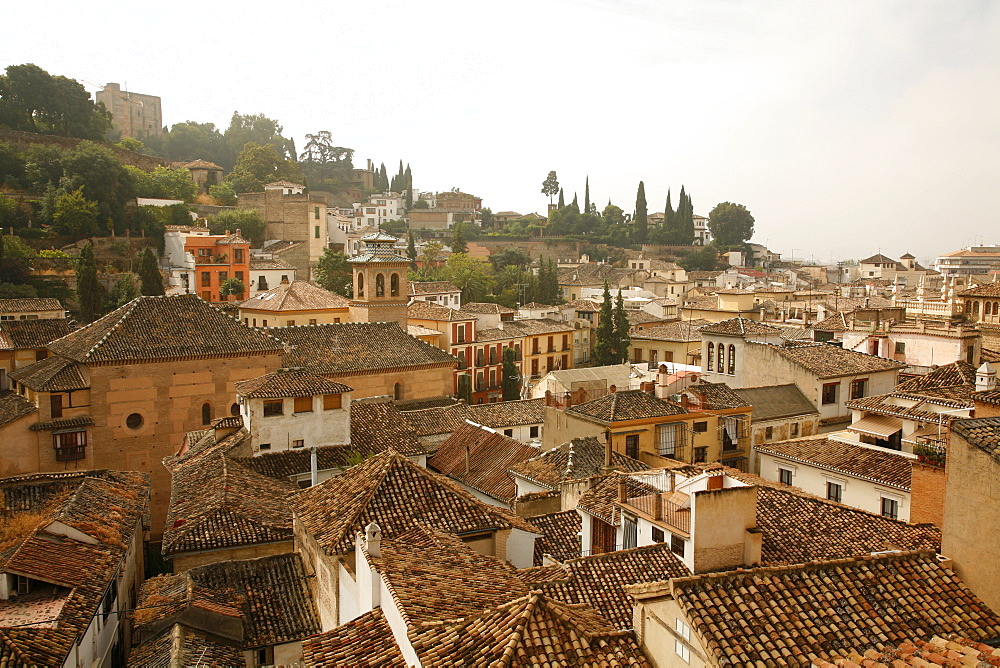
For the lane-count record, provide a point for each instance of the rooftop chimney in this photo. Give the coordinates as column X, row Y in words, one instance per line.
column 622, row 491
column 373, row 540
column 986, row 378
column 313, row 467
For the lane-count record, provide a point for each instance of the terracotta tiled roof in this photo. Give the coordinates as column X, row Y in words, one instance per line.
column 27, row 334
column 518, row 328
column 63, row 423
column 264, row 264
column 422, row 310
column 878, row 258
column 484, row 308
column 289, row 383
column 14, row 407
column 991, row 289
column 937, row 652
column 52, row 374
column 601, row 500
column 202, row 164
column 717, row 396
column 377, row 427
column 740, row 327
column 180, row 645
column 588, row 305
column 431, row 287
column 600, row 580
column 681, row 330
column 533, row 630
column 592, row 274
column 879, row 466
column 838, row 322
column 397, row 494
column 481, row 458
column 949, row 375
column 801, row 610
column 107, row 506
column 30, row 304
column 497, row 415
column 642, row 318
column 295, row 296
column 574, row 460
column 165, row 327
column 626, row 405
column 982, row 433
column 829, row 361
column 987, row 397
column 776, row 401
column 270, row 594
column 561, row 537
column 365, row 642
column 217, row 503
column 359, row 346
column 882, row 405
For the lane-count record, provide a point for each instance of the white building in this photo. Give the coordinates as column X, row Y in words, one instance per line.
column 379, row 209
column 968, row 261
column 267, row 272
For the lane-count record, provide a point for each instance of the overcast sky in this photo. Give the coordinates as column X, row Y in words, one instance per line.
column 845, row 127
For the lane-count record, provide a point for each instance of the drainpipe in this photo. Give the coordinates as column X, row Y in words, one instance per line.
column 313, row 467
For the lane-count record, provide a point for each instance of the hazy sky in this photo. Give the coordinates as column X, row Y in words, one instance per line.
column 845, row 127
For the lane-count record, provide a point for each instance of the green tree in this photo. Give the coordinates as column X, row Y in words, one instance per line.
column 247, row 221
column 621, row 339
column 14, row 213
column 684, row 219
column 232, row 287
column 411, row 249
column 550, row 186
column 458, row 243
column 192, row 141
column 464, row 388
column 470, row 275
column 486, row 218
column 32, row 99
column 429, row 258
column 131, row 144
column 223, row 194
column 639, row 219
column 163, row 183
column 326, row 165
column 88, row 288
column 421, row 204
column 334, row 273
column 260, row 164
column 42, row 167
column 510, row 257
column 604, row 336
column 122, row 293
column 730, row 224
column 75, row 215
column 12, row 167
column 613, row 215
column 706, row 259
column 259, row 129
column 149, row 273
column 562, row 200
column 103, row 178
column 586, row 196
column 511, row 376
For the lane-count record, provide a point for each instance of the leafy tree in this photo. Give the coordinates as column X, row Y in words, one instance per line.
column 604, row 336
column 429, row 258
column 88, row 288
column 586, row 196
column 122, row 293
column 668, row 213
column 684, row 219
column 223, row 194
column 131, row 144
column 259, row 129
column 326, row 165
column 32, row 99
column 15, row 257
column 192, row 141
column 731, row 224
column 550, row 186
column 259, row 164
column 510, row 257
column 639, row 219
column 149, row 274
column 247, row 221
column 163, row 183
column 464, row 388
column 613, row 215
column 334, row 273
column 486, row 217
column 411, row 249
column 382, row 184
column 232, row 287
column 511, row 376
column 621, row 339
column 75, row 215
column 103, row 178
column 458, row 244
column 706, row 259
column 42, row 167
column 468, row 274
column 14, row 213
column 421, row 204
column 12, row 172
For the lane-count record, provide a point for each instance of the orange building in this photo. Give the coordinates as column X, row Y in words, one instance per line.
column 217, row 259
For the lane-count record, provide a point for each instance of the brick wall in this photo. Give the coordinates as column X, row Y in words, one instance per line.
column 927, row 487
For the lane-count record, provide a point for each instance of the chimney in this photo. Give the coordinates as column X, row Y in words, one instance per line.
column 466, row 457
column 986, row 378
column 622, row 491
column 313, row 467
column 227, row 233
column 373, row 540
column 715, row 481
column 658, row 507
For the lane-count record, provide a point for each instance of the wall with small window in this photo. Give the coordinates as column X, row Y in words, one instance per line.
column 292, row 423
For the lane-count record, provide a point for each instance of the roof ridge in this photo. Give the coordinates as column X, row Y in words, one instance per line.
column 523, row 617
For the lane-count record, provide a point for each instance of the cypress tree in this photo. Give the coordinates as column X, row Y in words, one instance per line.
column 622, row 340
column 88, row 288
column 574, row 204
column 641, row 223
column 668, row 215
column 411, row 249
column 149, row 274
column 586, row 196
column 562, row 202
column 552, row 287
column 685, row 219
column 605, row 334
column 511, row 377
column 383, row 179
column 458, row 244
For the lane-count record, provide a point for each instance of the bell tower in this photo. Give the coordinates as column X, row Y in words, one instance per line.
column 381, row 287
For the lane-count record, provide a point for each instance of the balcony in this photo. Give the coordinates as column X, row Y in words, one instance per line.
column 660, row 508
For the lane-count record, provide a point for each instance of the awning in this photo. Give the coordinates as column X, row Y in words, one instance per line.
column 882, row 426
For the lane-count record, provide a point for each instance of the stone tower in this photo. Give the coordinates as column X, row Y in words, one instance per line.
column 381, row 288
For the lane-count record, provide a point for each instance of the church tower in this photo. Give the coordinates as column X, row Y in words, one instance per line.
column 381, row 288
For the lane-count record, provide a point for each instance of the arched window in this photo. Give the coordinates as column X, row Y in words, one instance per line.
column 721, row 368
column 397, row 391
column 711, row 355
column 206, row 413
column 394, row 285
column 361, row 286
column 379, row 285
column 968, row 307
column 732, row 360
column 975, row 308
column 987, row 306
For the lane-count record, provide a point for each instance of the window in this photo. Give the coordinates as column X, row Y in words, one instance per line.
column 701, row 427
column 56, row 406
column 239, row 276
column 316, row 232
column 732, row 360
column 223, row 276
column 630, row 533
column 298, row 443
column 834, row 491
column 312, row 321
column 632, row 446
column 657, row 535
column 677, row 545
column 890, row 508
column 768, row 433
column 683, row 630
column 289, row 323
column 700, row 455
column 265, row 446
column 682, row 651
column 234, row 410
column 265, row 656
column 206, row 413
column 380, row 285
column 394, row 285
column 397, row 391
column 533, row 432
column 70, row 445
column 670, row 436
column 361, row 286
column 785, row 476
column 238, row 256
column 206, row 279
column 858, row 388
column 722, row 359
column 331, row 402
column 303, row 405
column 316, row 215
column 262, row 283
column 900, row 348
column 795, row 430
column 509, row 433
column 276, row 407
column 133, row 421
column 830, row 393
